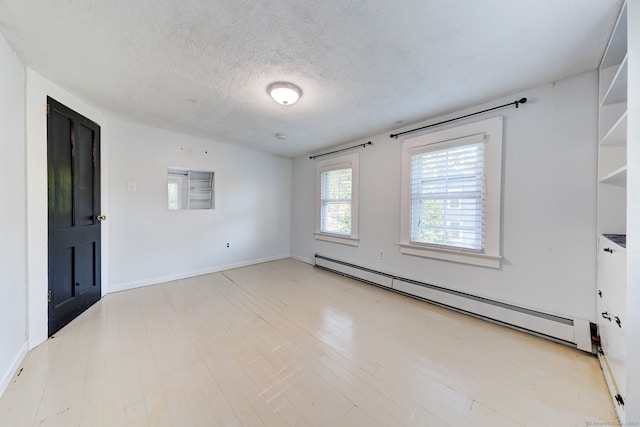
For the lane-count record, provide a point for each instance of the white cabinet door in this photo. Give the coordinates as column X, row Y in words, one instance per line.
column 612, row 310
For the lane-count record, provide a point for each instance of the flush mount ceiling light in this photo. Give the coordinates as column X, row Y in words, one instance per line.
column 284, row 93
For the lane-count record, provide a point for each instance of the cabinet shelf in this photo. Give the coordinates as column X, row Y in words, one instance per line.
column 617, row 47
column 617, row 90
column 617, row 177
column 201, row 190
column 617, row 135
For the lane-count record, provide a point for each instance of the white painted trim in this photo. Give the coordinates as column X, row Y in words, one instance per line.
column 492, row 132
column 345, row 240
column 343, row 161
column 8, row 375
column 302, row 259
column 37, row 90
column 158, row 280
column 612, row 386
column 473, row 258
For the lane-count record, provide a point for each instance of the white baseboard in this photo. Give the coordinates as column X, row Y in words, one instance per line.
column 8, row 375
column 299, row 258
column 163, row 279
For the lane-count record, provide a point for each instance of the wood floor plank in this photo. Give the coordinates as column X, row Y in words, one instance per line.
column 283, row 343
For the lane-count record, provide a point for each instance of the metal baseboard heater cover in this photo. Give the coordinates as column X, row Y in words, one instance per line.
column 575, row 332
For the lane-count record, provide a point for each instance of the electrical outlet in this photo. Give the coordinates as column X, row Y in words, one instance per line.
column 227, row 244
column 132, row 187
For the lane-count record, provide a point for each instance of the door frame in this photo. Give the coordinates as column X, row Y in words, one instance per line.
column 37, row 90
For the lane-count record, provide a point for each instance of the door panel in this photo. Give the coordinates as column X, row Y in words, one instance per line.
column 84, row 181
column 87, row 268
column 63, row 273
column 60, row 184
column 73, row 143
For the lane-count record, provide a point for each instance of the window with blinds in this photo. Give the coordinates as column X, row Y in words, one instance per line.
column 451, row 194
column 335, row 201
column 447, row 193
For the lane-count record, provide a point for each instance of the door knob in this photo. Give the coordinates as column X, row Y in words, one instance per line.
column 101, row 217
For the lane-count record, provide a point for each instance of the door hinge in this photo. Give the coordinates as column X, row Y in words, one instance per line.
column 48, row 109
column 49, row 296
column 618, row 321
column 619, row 399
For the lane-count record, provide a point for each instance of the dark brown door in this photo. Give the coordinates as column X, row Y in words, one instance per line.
column 73, row 152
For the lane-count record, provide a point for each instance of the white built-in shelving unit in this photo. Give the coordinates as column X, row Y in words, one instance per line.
column 200, row 189
column 612, row 213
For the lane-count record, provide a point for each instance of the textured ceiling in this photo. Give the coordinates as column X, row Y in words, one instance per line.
column 201, row 67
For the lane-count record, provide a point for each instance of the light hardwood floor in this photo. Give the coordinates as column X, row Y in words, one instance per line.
column 283, row 343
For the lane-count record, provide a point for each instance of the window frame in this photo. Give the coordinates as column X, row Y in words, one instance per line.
column 340, row 162
column 192, row 188
column 181, row 180
column 490, row 254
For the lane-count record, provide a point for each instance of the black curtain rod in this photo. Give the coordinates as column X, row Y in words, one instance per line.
column 337, row 151
column 516, row 103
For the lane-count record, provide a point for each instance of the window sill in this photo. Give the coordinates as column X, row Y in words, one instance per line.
column 480, row 259
column 336, row 238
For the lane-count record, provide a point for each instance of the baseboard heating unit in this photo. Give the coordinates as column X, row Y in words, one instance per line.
column 575, row 332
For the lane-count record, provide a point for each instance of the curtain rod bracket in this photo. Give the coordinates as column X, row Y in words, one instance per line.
column 516, row 103
column 520, row 101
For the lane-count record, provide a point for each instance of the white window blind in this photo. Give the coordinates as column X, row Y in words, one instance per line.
column 335, row 201
column 447, row 195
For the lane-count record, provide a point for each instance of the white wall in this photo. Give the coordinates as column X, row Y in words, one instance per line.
column 633, row 217
column 37, row 90
column 142, row 242
column 549, row 206
column 150, row 244
column 12, row 215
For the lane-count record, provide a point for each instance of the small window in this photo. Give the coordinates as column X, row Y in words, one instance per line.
column 451, row 184
column 337, row 200
column 190, row 189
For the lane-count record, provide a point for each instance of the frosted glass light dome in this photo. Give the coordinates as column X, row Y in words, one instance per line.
column 284, row 93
